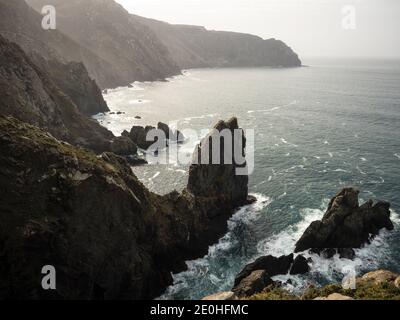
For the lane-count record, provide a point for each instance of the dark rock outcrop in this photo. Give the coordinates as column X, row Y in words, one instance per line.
column 29, row 94
column 203, row 171
column 123, row 146
column 299, row 266
column 346, row 224
column 140, row 136
column 346, row 253
column 107, row 236
column 272, row 265
column 174, row 136
column 254, row 283
column 165, row 128
column 73, row 79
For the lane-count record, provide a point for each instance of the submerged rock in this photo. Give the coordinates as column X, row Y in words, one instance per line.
column 346, row 224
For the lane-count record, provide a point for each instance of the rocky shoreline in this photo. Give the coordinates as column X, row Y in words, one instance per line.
column 345, row 226
column 89, row 216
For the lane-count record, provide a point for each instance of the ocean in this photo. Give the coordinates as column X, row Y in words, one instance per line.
column 317, row 129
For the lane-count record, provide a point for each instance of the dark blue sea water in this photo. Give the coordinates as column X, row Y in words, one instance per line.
column 317, row 129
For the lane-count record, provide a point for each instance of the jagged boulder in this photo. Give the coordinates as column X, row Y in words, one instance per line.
column 162, row 134
column 174, row 136
column 166, row 129
column 346, row 224
column 139, row 135
column 300, row 266
column 255, row 282
column 272, row 265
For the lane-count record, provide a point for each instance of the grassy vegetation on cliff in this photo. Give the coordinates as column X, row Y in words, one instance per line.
column 273, row 293
column 366, row 290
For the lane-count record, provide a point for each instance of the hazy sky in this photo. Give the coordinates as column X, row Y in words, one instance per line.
column 313, row 28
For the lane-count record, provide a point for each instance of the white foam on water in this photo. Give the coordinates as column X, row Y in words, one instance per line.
column 359, row 170
column 340, row 170
column 397, row 155
column 293, row 168
column 288, row 143
column 138, row 101
column 294, row 102
column 380, row 181
column 204, row 116
column 155, row 175
column 283, row 243
column 199, row 268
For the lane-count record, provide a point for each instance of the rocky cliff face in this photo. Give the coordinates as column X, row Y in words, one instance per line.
column 106, row 28
column 196, row 47
column 73, row 79
column 55, row 54
column 89, row 216
column 21, row 24
column 29, row 94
